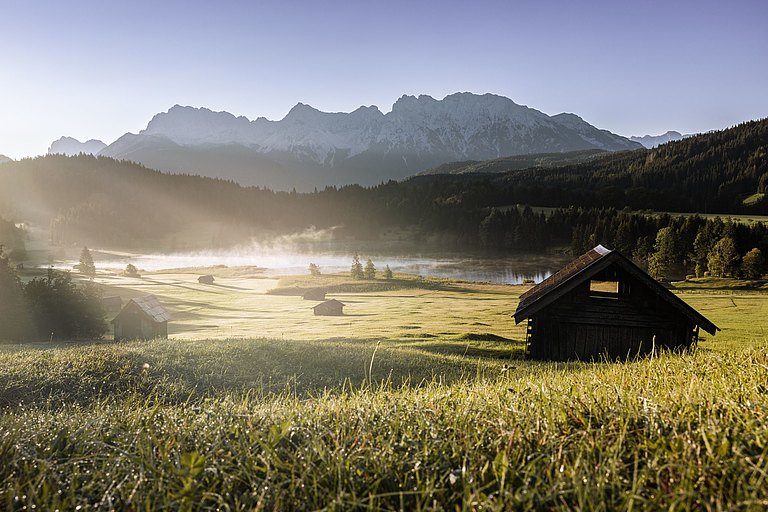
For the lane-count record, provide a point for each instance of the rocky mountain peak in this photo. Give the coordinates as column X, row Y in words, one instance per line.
column 70, row 146
column 651, row 141
column 365, row 145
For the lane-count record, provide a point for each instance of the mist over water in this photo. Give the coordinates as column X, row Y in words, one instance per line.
column 278, row 261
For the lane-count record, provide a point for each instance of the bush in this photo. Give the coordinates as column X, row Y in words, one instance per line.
column 61, row 309
column 14, row 315
column 753, row 264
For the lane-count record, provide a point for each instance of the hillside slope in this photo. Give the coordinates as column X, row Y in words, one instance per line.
column 722, row 172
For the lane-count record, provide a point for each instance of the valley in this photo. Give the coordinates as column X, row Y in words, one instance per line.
column 384, row 256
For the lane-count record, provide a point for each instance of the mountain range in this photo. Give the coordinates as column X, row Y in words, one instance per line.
column 309, row 148
column 651, row 141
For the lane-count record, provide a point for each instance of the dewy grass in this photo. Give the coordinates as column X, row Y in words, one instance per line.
column 674, row 431
column 436, row 421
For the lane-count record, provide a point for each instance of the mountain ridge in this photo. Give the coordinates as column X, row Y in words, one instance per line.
column 310, row 148
column 70, row 146
column 652, row 141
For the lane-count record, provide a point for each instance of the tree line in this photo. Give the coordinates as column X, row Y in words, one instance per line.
column 90, row 200
column 672, row 246
column 50, row 307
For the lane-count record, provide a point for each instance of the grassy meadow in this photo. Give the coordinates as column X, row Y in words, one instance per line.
column 417, row 399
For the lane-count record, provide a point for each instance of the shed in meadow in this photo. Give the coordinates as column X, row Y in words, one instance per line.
column 329, row 308
column 603, row 305
column 142, row 318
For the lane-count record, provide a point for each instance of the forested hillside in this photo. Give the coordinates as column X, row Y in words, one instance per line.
column 718, row 172
column 511, row 163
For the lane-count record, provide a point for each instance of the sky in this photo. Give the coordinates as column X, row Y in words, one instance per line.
column 99, row 69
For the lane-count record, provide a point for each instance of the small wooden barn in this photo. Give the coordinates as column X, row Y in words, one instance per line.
column 329, row 308
column 142, row 318
column 314, row 294
column 207, row 279
column 602, row 305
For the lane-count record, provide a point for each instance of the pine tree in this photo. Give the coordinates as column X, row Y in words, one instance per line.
column 723, row 258
column 370, row 270
column 705, row 240
column 86, row 263
column 663, row 255
column 387, row 273
column 357, row 267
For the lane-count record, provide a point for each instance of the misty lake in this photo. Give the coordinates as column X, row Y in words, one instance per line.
column 507, row 269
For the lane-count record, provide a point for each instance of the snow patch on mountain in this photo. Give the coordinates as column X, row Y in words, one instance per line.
column 365, row 145
column 462, row 125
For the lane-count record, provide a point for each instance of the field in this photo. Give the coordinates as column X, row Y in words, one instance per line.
column 416, row 399
column 237, row 305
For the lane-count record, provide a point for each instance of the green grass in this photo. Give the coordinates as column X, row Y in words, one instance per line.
column 385, row 420
column 246, row 305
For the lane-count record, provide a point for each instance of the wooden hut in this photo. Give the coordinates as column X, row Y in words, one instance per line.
column 602, row 305
column 142, row 318
column 207, row 279
column 314, row 294
column 329, row 308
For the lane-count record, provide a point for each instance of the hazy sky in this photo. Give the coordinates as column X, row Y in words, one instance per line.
column 98, row 69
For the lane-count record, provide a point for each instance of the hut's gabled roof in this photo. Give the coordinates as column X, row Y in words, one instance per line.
column 151, row 307
column 330, row 303
column 584, row 268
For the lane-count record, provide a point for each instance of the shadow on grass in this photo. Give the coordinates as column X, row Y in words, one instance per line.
column 179, row 371
column 515, row 351
column 373, row 287
column 230, row 287
column 471, row 336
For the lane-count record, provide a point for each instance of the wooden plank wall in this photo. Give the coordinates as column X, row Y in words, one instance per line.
column 586, row 326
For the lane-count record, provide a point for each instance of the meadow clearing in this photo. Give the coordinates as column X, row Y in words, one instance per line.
column 417, row 399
